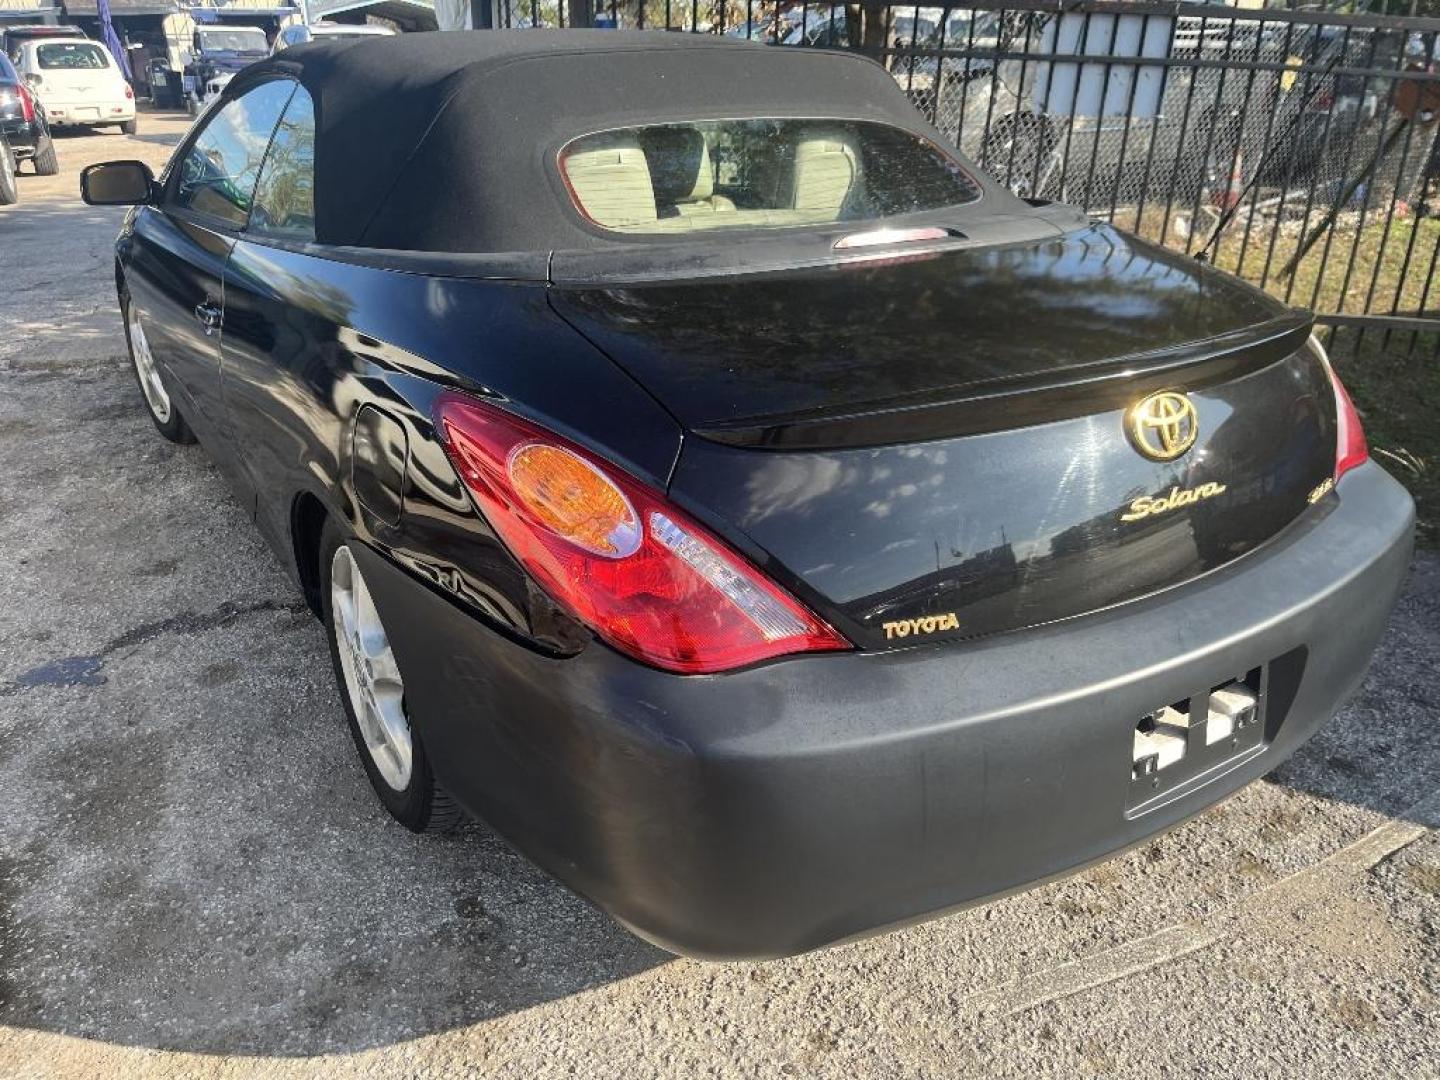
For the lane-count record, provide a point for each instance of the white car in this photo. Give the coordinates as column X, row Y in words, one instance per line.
column 325, row 31
column 78, row 83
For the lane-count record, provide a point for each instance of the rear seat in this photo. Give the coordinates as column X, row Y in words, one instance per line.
column 826, row 174
column 821, row 175
column 681, row 172
column 663, row 182
column 612, row 184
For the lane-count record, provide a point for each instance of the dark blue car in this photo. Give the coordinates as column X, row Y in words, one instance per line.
column 23, row 129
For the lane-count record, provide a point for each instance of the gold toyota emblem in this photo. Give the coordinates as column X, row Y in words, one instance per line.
column 1163, row 426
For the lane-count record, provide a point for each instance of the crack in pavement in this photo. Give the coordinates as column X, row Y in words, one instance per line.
column 1174, row 942
column 84, row 670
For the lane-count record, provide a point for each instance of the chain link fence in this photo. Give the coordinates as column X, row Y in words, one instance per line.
column 1297, row 148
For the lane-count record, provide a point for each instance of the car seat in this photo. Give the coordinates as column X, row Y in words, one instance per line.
column 612, row 183
column 825, row 175
column 681, row 172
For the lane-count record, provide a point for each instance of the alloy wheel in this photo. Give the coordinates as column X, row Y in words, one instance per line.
column 154, row 390
column 372, row 678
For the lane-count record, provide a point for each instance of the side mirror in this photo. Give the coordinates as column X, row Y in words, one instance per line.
column 117, row 183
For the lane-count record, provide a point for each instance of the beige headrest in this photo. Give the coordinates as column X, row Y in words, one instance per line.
column 612, row 183
column 679, row 164
column 827, row 168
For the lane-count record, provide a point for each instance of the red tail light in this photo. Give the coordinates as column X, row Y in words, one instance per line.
column 634, row 568
column 1350, row 447
column 27, row 104
column 129, row 92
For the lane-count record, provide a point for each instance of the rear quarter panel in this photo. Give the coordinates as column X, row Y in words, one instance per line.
column 309, row 341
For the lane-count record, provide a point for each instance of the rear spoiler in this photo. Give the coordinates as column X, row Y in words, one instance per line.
column 623, row 260
column 1006, row 403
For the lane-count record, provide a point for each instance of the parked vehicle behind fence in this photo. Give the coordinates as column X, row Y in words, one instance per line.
column 1209, row 129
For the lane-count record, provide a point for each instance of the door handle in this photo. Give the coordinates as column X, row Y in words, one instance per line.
column 209, row 316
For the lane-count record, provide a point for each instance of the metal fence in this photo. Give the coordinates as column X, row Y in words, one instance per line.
column 1297, row 148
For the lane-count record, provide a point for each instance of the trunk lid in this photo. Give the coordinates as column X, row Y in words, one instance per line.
column 938, row 448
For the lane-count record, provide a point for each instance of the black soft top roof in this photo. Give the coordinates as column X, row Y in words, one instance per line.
column 447, row 142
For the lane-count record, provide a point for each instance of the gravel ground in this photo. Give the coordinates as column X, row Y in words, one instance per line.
column 196, row 881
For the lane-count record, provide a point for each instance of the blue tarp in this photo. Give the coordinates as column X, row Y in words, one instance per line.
column 112, row 39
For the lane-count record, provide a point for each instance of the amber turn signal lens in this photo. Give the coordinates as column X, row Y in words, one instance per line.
column 1350, row 446
column 646, row 577
column 573, row 499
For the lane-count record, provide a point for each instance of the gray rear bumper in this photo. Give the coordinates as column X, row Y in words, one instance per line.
column 781, row 808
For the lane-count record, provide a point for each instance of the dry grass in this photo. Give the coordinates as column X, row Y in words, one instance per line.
column 1336, row 275
column 1394, row 377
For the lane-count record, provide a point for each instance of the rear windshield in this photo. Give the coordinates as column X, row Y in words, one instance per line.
column 73, row 55
column 757, row 173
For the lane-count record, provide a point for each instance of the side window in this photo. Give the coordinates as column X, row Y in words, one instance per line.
column 285, row 196
column 216, row 175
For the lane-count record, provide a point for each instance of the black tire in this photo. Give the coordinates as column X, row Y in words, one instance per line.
column 9, row 192
column 424, row 806
column 130, row 127
column 173, row 427
column 46, row 163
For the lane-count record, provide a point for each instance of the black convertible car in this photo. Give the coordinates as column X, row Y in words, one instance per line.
column 24, row 134
column 709, row 478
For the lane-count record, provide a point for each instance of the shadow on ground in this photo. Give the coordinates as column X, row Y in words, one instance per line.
column 42, row 220
column 203, row 867
column 190, row 855
column 52, row 313
column 1383, row 750
column 70, row 134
